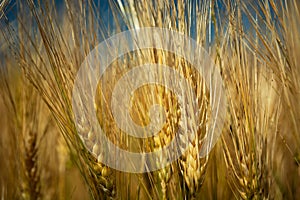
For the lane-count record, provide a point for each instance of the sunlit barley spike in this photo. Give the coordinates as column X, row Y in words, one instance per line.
column 103, row 176
column 165, row 173
column 161, row 140
column 192, row 166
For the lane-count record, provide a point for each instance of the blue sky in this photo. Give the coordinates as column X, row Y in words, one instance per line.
column 106, row 13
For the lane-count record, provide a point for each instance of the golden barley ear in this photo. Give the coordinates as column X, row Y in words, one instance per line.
column 50, row 65
column 255, row 106
column 29, row 122
column 192, row 166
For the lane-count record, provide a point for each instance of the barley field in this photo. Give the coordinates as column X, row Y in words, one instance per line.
column 254, row 45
